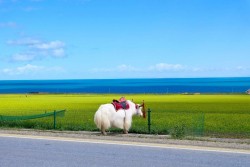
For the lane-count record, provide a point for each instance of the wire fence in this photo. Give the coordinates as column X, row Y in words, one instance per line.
column 178, row 125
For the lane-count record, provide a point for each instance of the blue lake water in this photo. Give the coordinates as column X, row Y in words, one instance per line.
column 164, row 85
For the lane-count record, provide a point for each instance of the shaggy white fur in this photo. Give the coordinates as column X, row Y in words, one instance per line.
column 106, row 117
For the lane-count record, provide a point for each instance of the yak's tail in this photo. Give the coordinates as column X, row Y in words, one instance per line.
column 101, row 119
column 98, row 118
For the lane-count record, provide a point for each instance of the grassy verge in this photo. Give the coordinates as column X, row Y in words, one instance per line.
column 209, row 115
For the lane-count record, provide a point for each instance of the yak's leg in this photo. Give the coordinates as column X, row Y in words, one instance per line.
column 103, row 131
column 125, row 131
column 126, row 126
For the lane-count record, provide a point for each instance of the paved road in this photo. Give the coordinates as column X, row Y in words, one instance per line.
column 27, row 151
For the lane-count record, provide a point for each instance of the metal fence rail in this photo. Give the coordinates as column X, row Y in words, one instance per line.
column 55, row 113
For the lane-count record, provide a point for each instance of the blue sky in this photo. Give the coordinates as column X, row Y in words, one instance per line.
column 85, row 39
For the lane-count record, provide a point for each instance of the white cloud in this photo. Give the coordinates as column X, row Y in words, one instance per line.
column 120, row 68
column 59, row 52
column 37, row 49
column 49, row 45
column 23, row 69
column 160, row 67
column 125, row 67
column 167, row 67
column 8, row 24
column 25, row 41
column 23, row 57
column 30, row 69
column 242, row 68
column 97, row 70
column 29, row 9
column 196, row 69
column 36, row 0
column 168, row 70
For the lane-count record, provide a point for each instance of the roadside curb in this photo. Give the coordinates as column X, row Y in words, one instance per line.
column 243, row 144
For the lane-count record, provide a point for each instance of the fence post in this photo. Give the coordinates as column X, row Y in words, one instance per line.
column 149, row 121
column 54, row 119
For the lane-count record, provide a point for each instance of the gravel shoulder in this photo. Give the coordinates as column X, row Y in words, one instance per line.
column 243, row 144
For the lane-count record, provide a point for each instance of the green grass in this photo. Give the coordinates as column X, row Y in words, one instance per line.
column 224, row 115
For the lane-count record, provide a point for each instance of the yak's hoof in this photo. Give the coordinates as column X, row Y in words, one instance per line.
column 125, row 132
column 104, row 133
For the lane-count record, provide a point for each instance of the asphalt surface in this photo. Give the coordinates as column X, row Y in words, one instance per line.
column 243, row 144
column 36, row 150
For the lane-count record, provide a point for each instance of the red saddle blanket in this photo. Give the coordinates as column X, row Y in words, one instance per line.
column 120, row 105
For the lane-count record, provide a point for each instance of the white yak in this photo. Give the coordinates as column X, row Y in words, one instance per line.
column 107, row 116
